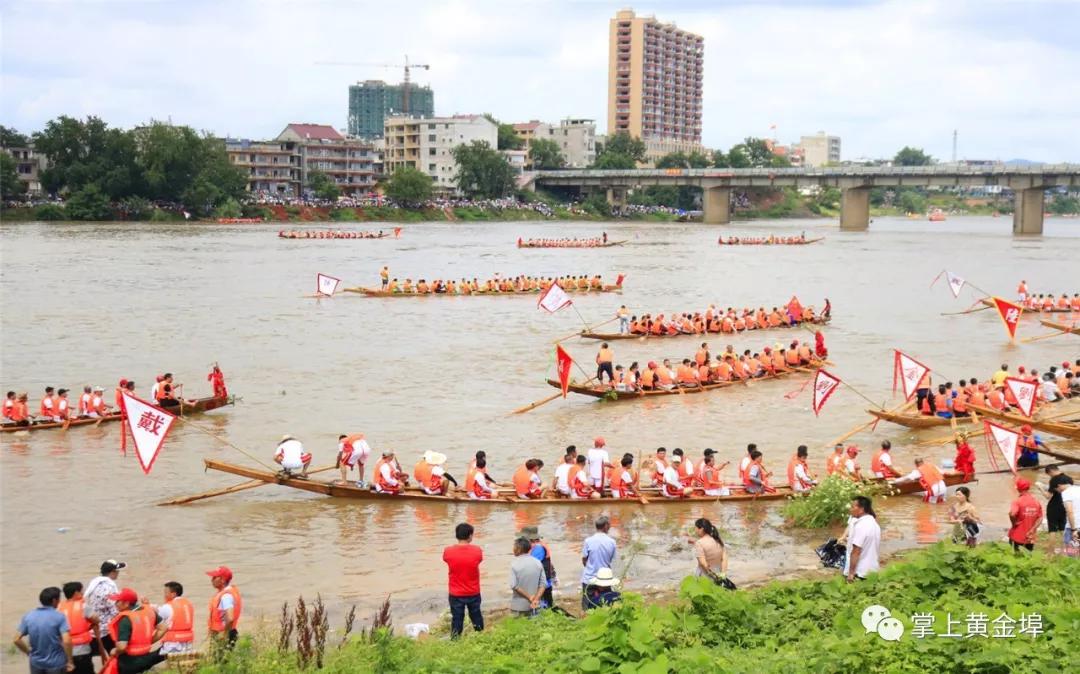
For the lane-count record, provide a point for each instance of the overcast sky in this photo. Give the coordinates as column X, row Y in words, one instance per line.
column 879, row 74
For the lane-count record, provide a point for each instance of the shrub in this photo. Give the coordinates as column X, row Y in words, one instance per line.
column 828, row 503
column 50, row 212
column 89, row 203
column 230, row 208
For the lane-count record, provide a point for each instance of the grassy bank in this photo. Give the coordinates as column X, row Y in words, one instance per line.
column 794, row 626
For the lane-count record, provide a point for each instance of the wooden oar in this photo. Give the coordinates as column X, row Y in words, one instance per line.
column 863, row 427
column 250, row 484
column 966, row 311
column 641, row 497
column 538, row 403
column 1028, row 340
column 587, row 329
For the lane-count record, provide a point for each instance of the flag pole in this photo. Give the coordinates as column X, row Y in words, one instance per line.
column 226, row 442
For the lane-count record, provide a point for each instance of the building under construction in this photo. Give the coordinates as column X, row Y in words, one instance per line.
column 371, row 101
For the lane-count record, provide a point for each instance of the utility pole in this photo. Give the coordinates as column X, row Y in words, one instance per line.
column 954, row 146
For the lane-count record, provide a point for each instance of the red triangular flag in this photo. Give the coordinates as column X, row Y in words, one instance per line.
column 620, row 279
column 1010, row 314
column 1007, row 440
column 149, row 426
column 909, row 372
column 824, row 385
column 1024, row 392
column 562, row 365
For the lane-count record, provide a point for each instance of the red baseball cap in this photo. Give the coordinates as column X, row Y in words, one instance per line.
column 126, row 594
column 598, row 442
column 221, row 572
column 853, row 450
column 1022, row 484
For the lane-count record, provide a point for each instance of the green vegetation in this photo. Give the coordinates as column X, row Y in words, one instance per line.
column 11, row 138
column 545, row 154
column 323, row 186
column 912, row 156
column 794, row 626
column 482, row 171
column 230, row 208
column 828, row 504
column 409, row 186
column 621, row 151
column 89, row 203
column 751, row 153
column 10, row 185
column 49, row 212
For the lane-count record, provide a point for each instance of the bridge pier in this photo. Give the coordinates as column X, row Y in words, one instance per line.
column 855, row 209
column 1028, row 210
column 716, row 204
column 616, row 196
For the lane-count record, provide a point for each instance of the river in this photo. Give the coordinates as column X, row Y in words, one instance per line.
column 91, row 303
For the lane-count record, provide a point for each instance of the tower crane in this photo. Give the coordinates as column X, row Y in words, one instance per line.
column 407, row 66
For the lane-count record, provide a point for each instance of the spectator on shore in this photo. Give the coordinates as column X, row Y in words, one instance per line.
column 49, row 646
column 82, row 625
column 864, row 538
column 543, row 555
column 1025, row 513
column 964, row 517
column 463, row 561
column 1055, row 509
column 597, row 553
column 1070, row 497
column 601, row 590
column 709, row 550
column 97, row 598
column 527, row 580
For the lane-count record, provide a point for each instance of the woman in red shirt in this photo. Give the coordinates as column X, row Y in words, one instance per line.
column 463, row 559
column 965, row 457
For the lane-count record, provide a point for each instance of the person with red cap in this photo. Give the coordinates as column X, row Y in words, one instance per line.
column 1029, row 444
column 599, row 462
column 134, row 631
column 225, row 607
column 1025, row 513
column 851, row 464
column 120, row 394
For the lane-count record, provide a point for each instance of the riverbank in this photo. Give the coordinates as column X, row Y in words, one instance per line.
column 988, row 592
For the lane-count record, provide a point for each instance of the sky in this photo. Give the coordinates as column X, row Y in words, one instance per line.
column 879, row 74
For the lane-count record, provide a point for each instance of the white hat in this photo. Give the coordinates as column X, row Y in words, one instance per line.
column 604, row 578
column 98, row 389
column 285, row 438
column 387, row 453
column 675, row 458
column 435, row 458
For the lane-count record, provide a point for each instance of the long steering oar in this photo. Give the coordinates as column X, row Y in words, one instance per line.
column 243, row 486
column 538, row 403
column 590, row 329
column 1058, row 333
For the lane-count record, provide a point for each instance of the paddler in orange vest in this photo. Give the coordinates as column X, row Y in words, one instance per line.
column 623, row 479
column 930, row 479
column 756, row 478
column 20, row 413
column 97, row 403
column 178, row 616
column 353, row 452
column 580, row 483
column 47, row 408
column 226, row 606
column 850, row 468
column 708, row 477
column 134, row 631
column 9, row 405
column 384, row 276
column 604, row 359
column 744, row 465
column 478, row 483
column 526, row 480
column 673, row 486
column 83, row 624
column 881, row 463
column 430, row 475
column 835, row 462
column 388, row 477
column 798, row 472
column 1022, row 292
column 660, row 464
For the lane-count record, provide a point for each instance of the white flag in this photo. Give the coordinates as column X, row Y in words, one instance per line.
column 955, row 283
column 1007, row 440
column 187, row 216
column 553, row 299
column 824, row 385
column 148, row 425
column 1024, row 392
column 909, row 371
column 326, row 285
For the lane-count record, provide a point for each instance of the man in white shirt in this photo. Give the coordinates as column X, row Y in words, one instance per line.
column 1049, row 390
column 863, row 538
column 673, row 486
column 291, row 456
column 1070, row 498
column 598, row 461
column 562, row 473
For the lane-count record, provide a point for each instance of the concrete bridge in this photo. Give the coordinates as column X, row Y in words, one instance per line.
column 1027, row 182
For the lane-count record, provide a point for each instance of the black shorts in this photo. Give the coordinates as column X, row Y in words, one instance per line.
column 1027, row 546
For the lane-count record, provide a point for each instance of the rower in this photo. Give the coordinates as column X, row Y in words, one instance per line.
column 756, row 480
column 47, row 409
column 623, row 479
column 798, row 473
column 604, row 359
column 478, row 483
column 685, row 467
column 744, row 465
column 599, row 462
column 580, row 484
column 709, row 479
column 9, row 405
column 660, row 465
column 851, row 465
column 155, row 390
column 290, row 455
column 702, row 355
column 63, row 409
column 562, row 473
column 930, row 479
column 388, row 476
column 881, row 464
column 20, row 413
column 1028, row 444
column 97, row 403
column 353, row 452
column 167, row 392
column 526, row 480
column 384, row 276
column 672, row 484
column 835, row 462
column 120, row 394
column 623, row 314
column 430, row 475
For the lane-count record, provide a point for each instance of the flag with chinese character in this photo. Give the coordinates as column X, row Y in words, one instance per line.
column 824, row 386
column 553, row 299
column 148, row 426
column 1007, row 441
column 1024, row 392
column 562, row 365
column 1010, row 314
column 326, row 285
column 955, row 283
column 908, row 372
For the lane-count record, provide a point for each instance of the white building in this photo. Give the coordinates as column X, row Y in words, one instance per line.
column 820, row 149
column 426, row 144
column 576, row 139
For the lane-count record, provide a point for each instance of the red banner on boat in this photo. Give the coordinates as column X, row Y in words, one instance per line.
column 397, row 232
column 562, row 365
column 326, row 285
column 908, row 372
column 1007, row 441
column 149, row 426
column 1024, row 392
column 794, row 309
column 824, row 386
column 553, row 299
column 620, row 279
column 1010, row 314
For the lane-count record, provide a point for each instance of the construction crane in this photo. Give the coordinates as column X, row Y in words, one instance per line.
column 404, row 84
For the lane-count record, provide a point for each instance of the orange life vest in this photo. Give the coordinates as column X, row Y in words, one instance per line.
column 686, row 476
column 791, row 357
column 617, row 483
column 523, row 484
column 580, row 487
column 876, row 465
column 48, row 410
column 659, row 466
column 142, row 630
column 664, row 375
column 709, row 477
column 18, row 411
column 941, row 402
column 929, row 475
column 834, row 463
column 380, row 480
column 76, row 616
column 959, row 404
column 215, row 622
column 793, row 477
column 183, row 621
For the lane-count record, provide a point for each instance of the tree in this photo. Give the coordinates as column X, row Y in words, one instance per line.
column 673, row 160
column 759, row 154
column 323, row 186
column 626, row 145
column 720, row 160
column 170, row 158
column 11, row 138
column 611, row 160
column 911, row 201
column 10, row 185
column 697, row 160
column 84, row 152
column 409, row 186
column 482, row 171
column 89, row 203
column 911, row 156
column 508, row 140
column 737, row 158
column 545, row 154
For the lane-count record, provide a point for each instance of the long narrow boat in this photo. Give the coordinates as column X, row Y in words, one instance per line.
column 1073, row 327
column 335, row 235
column 734, row 241
column 193, row 406
column 375, row 292
column 612, row 395
column 919, row 421
column 609, row 244
column 652, row 497
column 1065, row 429
column 615, row 336
column 1032, row 310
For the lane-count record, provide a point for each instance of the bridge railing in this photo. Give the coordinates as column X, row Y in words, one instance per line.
column 839, row 171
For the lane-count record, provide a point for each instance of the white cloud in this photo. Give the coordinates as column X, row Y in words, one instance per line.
column 880, row 75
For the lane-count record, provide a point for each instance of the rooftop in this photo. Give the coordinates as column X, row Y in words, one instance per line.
column 314, row 131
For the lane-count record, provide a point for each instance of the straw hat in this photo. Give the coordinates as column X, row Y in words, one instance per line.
column 604, row 578
column 285, row 438
column 676, row 459
column 435, row 458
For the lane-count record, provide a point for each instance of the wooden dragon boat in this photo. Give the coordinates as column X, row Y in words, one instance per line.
column 375, row 292
column 609, row 244
column 919, row 421
column 193, row 406
column 614, row 336
column 1032, row 310
column 610, row 394
column 1073, row 327
column 765, row 242
column 1065, row 429
column 649, row 496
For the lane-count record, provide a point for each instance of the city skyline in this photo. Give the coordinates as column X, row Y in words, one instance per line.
column 878, row 74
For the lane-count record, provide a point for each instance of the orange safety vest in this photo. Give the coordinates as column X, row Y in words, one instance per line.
column 617, row 482
column 876, row 466
column 659, row 466
column 664, row 375
column 941, row 402
column 380, row 480
column 523, row 484
column 18, row 411
column 792, row 357
column 685, row 476
column 422, row 472
column 929, row 476
column 959, row 404
column 709, row 477
column 582, row 489
column 834, row 463
column 216, row 623
column 183, row 621
column 792, row 476
column 50, row 409
column 80, row 627
column 143, row 621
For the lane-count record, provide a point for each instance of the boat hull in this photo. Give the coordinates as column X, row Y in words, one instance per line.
column 198, row 405
column 373, row 292
column 615, row 336
column 775, row 243
column 609, row 244
column 1073, row 327
column 614, row 396
column 916, row 421
column 1063, row 429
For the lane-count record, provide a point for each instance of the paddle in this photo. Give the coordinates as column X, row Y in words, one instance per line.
column 538, row 403
column 641, row 497
column 966, row 311
column 251, row 484
column 589, row 329
column 859, row 429
column 1028, row 340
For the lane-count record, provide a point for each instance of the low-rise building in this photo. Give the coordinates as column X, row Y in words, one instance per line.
column 576, row 138
column 427, row 143
column 820, row 149
column 271, row 166
column 28, row 165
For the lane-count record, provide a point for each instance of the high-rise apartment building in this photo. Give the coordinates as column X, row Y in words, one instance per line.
column 655, row 75
column 372, row 101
